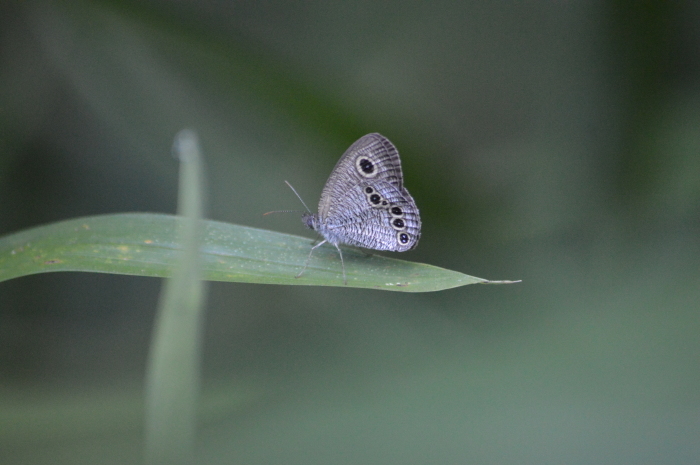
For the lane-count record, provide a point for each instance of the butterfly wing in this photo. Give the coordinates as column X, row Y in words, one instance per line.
column 364, row 202
column 371, row 158
column 375, row 216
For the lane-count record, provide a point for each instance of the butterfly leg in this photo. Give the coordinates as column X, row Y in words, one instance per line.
column 308, row 259
column 342, row 263
column 318, row 236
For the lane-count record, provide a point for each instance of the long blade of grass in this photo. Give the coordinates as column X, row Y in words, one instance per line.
column 173, row 372
column 145, row 244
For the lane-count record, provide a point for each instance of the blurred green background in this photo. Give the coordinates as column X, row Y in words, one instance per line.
column 553, row 142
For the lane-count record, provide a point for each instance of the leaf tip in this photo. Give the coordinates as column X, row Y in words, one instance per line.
column 486, row 281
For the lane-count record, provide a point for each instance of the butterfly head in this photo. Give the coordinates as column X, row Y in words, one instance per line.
column 310, row 220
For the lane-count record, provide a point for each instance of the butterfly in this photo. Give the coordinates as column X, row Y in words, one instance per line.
column 364, row 203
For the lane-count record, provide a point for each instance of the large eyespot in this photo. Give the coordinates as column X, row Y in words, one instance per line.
column 403, row 238
column 375, row 198
column 398, row 224
column 365, row 167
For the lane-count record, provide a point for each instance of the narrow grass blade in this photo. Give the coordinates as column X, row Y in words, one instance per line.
column 173, row 372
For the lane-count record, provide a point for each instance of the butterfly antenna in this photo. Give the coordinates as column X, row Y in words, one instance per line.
column 298, row 196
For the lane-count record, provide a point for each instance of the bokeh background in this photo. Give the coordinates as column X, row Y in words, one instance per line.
column 554, row 142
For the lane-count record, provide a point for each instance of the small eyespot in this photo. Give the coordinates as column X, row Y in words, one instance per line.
column 385, row 203
column 396, row 211
column 375, row 198
column 398, row 223
column 403, row 238
column 368, row 190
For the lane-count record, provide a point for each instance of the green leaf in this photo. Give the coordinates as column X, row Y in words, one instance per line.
column 145, row 244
